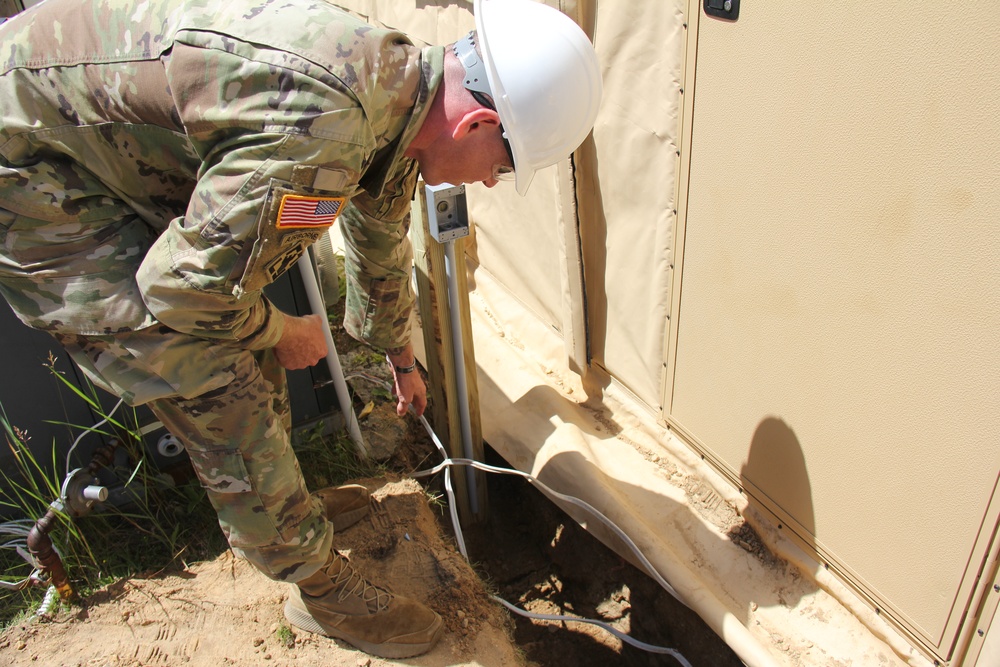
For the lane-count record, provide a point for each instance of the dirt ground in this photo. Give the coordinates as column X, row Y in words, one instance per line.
column 222, row 612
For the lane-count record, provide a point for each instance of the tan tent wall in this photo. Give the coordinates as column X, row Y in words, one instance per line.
column 836, row 347
column 778, row 254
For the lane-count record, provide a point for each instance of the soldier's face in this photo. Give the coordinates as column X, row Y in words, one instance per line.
column 477, row 158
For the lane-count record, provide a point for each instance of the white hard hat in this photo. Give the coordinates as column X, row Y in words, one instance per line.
column 544, row 79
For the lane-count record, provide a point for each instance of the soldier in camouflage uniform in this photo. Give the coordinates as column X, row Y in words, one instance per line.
column 163, row 161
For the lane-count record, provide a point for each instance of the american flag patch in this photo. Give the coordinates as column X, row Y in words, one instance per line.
column 297, row 211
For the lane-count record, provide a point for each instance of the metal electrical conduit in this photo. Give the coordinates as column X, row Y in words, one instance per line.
column 461, row 384
column 318, row 307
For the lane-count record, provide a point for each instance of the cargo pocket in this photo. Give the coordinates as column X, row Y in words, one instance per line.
column 242, row 514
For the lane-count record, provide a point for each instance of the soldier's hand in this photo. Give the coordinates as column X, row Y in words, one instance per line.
column 410, row 390
column 410, row 387
column 303, row 342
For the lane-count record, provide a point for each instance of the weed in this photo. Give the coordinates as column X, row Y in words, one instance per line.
column 436, row 501
column 30, row 490
column 383, row 393
column 365, row 357
column 285, row 636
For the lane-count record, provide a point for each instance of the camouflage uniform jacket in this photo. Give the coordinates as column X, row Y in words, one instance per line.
column 161, row 161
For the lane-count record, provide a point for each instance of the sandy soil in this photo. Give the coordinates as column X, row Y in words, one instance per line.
column 224, row 613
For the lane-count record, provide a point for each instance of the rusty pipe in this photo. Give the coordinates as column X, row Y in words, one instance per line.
column 39, row 542
column 40, row 546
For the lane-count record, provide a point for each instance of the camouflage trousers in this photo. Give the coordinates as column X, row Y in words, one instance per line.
column 238, row 437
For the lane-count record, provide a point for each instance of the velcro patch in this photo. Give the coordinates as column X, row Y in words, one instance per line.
column 297, row 211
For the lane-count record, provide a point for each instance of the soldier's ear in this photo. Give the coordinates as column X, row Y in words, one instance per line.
column 474, row 120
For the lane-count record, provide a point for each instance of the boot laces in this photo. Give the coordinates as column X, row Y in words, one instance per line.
column 350, row 583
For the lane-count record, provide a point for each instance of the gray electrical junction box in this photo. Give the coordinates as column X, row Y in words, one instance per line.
column 447, row 212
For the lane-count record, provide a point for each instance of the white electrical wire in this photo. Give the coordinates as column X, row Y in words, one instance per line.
column 447, row 464
column 452, row 505
column 570, row 499
column 649, row 648
column 50, row 600
column 19, row 528
column 90, row 430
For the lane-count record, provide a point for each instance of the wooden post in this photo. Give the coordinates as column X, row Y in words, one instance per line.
column 432, row 300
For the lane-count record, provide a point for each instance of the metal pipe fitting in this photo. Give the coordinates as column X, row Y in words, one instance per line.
column 40, row 547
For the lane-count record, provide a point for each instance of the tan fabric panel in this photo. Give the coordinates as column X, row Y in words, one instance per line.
column 840, row 310
column 614, row 455
column 426, row 22
column 517, row 239
column 627, row 219
column 626, row 213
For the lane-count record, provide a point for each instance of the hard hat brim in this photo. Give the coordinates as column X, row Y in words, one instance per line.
column 523, row 173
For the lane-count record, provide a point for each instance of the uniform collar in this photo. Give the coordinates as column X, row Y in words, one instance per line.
column 409, row 113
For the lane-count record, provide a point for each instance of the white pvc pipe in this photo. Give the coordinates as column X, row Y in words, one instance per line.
column 318, row 306
column 461, row 385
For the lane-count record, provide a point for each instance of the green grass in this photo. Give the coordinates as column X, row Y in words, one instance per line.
column 366, row 357
column 166, row 526
column 285, row 636
column 330, row 459
column 162, row 524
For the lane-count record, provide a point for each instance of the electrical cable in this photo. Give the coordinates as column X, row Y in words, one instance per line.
column 50, row 600
column 649, row 648
column 446, row 466
column 448, row 463
column 19, row 529
column 90, row 430
column 570, row 499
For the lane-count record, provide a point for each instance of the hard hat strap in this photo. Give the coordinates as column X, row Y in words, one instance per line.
column 476, row 81
column 475, row 70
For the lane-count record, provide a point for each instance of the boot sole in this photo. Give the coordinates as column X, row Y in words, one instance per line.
column 348, row 519
column 390, row 650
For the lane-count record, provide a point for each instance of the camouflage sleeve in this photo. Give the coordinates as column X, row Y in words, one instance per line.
column 378, row 262
column 205, row 273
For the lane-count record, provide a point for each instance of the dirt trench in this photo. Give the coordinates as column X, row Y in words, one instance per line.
column 535, row 556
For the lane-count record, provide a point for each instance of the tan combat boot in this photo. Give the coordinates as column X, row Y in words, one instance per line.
column 338, row 602
column 345, row 505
